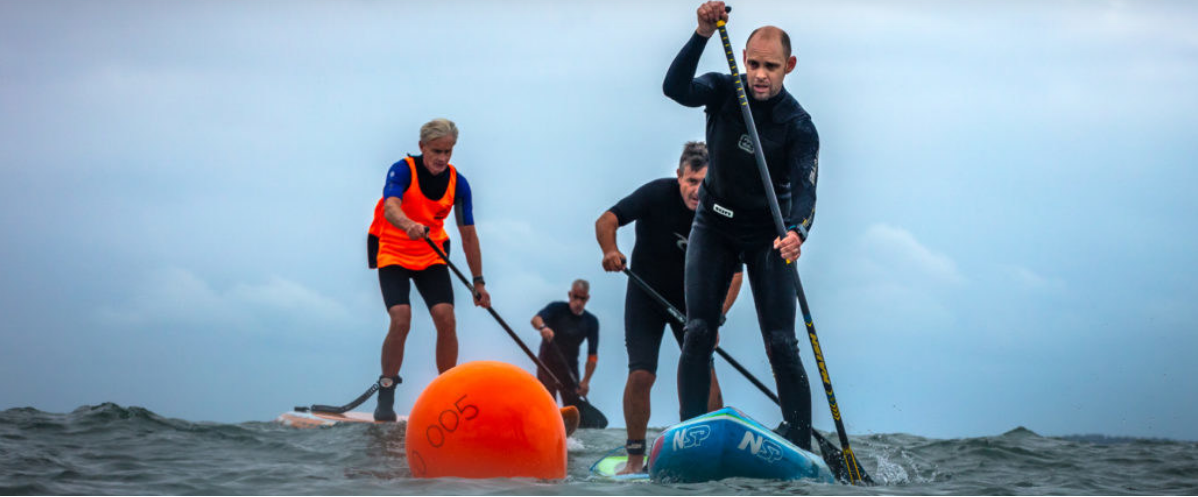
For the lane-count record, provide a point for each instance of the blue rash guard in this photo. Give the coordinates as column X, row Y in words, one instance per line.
column 733, row 224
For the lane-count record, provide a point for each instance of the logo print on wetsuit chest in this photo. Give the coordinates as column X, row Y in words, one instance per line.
column 746, row 144
column 681, row 242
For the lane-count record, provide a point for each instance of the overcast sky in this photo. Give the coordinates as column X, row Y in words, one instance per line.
column 1006, row 232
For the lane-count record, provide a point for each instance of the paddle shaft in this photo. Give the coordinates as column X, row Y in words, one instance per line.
column 569, row 374
column 495, row 315
column 681, row 320
column 780, row 227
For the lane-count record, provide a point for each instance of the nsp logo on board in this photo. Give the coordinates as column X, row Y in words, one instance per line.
column 760, row 447
column 692, row 436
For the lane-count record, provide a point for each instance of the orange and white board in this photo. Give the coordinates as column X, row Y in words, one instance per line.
column 298, row 419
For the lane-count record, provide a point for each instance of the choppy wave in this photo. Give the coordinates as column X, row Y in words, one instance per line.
column 109, row 449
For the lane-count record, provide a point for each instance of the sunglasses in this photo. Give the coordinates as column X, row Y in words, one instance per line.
column 584, row 298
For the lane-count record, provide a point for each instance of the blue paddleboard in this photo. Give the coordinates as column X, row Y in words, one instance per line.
column 725, row 444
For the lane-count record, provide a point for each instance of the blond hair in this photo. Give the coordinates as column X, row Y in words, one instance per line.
column 438, row 128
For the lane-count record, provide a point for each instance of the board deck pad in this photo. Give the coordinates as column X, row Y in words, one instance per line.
column 298, row 419
column 610, row 465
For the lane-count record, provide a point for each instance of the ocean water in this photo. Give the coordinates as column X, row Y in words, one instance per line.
column 109, row 449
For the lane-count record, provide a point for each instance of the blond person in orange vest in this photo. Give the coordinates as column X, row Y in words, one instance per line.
column 419, row 195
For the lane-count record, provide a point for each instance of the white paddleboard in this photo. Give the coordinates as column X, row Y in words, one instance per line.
column 298, row 419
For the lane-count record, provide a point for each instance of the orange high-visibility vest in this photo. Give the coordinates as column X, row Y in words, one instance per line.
column 395, row 248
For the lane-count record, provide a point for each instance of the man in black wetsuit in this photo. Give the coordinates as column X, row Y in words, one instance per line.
column 733, row 222
column 563, row 327
column 663, row 210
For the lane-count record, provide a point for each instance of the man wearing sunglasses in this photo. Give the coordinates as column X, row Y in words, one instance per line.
column 563, row 327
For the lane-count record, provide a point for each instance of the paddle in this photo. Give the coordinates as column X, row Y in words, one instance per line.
column 591, row 416
column 583, row 406
column 850, row 459
column 832, row 455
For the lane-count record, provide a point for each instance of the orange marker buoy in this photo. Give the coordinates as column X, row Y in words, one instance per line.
column 486, row 419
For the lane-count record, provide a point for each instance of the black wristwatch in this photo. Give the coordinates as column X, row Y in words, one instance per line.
column 478, row 280
column 799, row 230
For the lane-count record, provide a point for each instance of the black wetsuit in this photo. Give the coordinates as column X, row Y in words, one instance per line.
column 569, row 330
column 663, row 225
column 733, row 224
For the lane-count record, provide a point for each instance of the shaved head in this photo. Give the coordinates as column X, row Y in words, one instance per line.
column 769, row 33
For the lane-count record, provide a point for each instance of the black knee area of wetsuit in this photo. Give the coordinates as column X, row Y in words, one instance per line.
column 698, row 345
column 783, row 350
column 698, row 342
column 694, row 368
column 635, row 447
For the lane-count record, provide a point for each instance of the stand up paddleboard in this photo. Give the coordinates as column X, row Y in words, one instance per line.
column 310, row 419
column 717, row 445
column 297, row 419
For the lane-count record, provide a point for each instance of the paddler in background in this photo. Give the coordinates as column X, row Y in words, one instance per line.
column 733, row 222
column 419, row 194
column 663, row 210
column 563, row 327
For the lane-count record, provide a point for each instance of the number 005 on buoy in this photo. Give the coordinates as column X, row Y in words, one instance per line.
column 486, row 419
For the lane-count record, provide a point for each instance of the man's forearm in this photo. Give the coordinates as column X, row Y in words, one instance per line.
column 393, row 212
column 680, row 84
column 470, row 247
column 605, row 232
column 590, row 370
column 804, row 176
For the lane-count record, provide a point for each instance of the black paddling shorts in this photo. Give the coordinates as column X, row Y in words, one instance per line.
column 645, row 321
column 433, row 283
column 644, row 325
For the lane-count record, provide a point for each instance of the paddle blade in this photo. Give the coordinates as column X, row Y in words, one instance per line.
column 591, row 416
column 834, row 458
column 836, row 462
column 571, row 418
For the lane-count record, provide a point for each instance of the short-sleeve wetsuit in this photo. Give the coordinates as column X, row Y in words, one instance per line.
column 561, row 354
column 663, row 227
